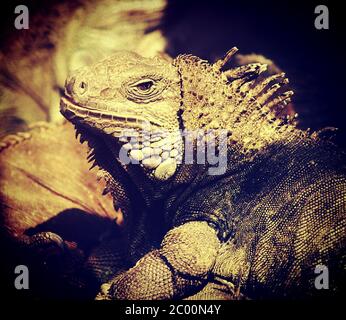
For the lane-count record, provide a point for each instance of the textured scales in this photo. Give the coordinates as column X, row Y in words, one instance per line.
column 259, row 229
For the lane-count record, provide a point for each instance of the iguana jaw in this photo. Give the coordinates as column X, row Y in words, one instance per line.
column 110, row 121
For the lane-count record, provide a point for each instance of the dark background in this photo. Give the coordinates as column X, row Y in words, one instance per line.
column 283, row 31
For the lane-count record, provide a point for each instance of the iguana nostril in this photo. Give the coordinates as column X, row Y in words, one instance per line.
column 82, row 87
column 69, row 84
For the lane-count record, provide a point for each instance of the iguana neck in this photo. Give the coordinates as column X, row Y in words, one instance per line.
column 145, row 191
column 210, row 100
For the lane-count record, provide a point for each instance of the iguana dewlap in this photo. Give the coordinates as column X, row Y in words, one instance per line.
column 263, row 223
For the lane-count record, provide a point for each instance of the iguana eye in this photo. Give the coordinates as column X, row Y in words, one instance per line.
column 143, row 90
column 145, row 86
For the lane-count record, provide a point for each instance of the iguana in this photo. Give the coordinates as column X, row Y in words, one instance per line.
column 262, row 224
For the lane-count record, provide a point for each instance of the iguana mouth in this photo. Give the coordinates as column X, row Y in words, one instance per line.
column 71, row 109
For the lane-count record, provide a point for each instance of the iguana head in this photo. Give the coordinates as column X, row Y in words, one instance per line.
column 123, row 91
column 123, row 96
column 119, row 97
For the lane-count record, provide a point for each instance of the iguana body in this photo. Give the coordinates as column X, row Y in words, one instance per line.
column 261, row 225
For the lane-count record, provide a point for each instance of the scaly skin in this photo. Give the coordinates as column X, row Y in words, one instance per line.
column 258, row 224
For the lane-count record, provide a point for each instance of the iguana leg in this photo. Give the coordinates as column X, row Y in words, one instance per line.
column 108, row 259
column 180, row 267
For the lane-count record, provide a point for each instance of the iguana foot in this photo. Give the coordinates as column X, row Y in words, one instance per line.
column 179, row 268
column 43, row 242
column 50, row 249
